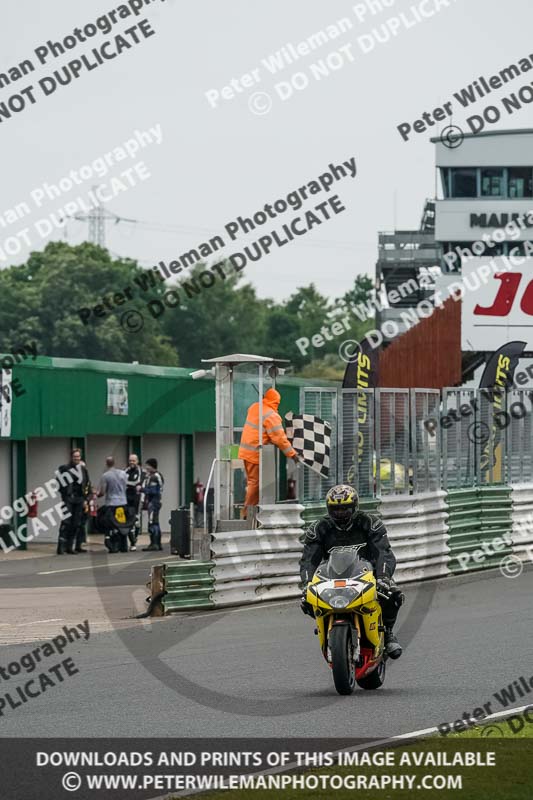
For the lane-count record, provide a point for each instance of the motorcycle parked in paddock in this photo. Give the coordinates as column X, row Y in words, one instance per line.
column 115, row 522
column 344, row 598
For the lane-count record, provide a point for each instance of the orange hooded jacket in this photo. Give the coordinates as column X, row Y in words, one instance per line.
column 273, row 432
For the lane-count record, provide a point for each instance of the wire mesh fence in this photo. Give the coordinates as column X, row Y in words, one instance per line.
column 425, row 449
column 356, row 439
column 457, row 430
column 321, row 402
column 406, row 441
column 520, row 436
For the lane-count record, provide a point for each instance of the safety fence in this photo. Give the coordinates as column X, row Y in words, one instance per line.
column 433, row 535
column 187, row 585
column 411, row 441
column 252, row 566
column 480, row 527
column 522, row 521
column 418, row 533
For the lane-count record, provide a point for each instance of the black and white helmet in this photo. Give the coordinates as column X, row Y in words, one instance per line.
column 342, row 502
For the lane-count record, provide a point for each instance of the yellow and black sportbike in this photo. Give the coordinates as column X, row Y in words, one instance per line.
column 344, row 598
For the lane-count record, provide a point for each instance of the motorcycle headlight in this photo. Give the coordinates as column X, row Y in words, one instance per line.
column 339, row 598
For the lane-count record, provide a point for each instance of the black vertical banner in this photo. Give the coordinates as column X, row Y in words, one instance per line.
column 361, row 373
column 497, row 378
column 500, row 368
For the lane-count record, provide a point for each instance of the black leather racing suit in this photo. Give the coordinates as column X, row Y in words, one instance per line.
column 367, row 529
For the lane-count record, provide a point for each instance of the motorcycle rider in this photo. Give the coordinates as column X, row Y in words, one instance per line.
column 346, row 525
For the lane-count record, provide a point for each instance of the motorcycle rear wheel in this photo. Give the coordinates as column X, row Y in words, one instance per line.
column 343, row 668
column 375, row 679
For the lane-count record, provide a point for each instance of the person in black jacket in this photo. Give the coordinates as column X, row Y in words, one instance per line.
column 136, row 476
column 75, row 488
column 152, row 489
column 346, row 525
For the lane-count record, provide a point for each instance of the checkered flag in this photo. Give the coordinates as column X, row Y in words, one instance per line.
column 311, row 438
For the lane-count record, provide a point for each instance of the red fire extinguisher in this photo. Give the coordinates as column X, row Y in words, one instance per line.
column 93, row 509
column 32, row 506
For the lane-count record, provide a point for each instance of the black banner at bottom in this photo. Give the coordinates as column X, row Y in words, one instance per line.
column 145, row 769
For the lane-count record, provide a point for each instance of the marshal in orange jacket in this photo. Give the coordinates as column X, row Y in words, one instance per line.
column 273, row 432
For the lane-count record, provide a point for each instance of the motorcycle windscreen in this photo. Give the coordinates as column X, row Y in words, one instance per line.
column 344, row 563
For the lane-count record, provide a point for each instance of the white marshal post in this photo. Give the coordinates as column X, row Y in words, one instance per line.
column 224, row 414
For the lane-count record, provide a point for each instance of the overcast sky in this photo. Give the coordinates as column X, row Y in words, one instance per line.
column 215, row 164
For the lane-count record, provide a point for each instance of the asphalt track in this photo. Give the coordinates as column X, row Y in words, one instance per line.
column 257, row 671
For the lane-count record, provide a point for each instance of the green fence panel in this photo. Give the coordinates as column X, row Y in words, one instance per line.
column 189, row 585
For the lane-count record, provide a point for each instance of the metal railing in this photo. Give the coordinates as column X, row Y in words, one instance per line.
column 410, row 441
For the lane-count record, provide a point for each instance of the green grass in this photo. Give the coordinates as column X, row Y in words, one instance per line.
column 499, row 729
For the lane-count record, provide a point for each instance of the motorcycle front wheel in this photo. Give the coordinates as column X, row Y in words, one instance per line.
column 340, row 643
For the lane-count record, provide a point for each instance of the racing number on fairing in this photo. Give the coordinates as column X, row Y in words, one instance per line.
column 505, row 296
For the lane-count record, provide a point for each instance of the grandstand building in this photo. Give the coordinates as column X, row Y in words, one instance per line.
column 483, row 185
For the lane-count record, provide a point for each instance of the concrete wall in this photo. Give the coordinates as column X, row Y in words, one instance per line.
column 5, row 474
column 44, row 457
column 204, row 453
column 166, row 450
column 98, row 447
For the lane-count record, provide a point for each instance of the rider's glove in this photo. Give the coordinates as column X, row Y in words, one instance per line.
column 384, row 584
column 387, row 586
column 304, row 605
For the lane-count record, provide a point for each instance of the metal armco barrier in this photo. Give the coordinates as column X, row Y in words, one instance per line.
column 256, row 565
column 478, row 517
column 188, row 585
column 313, row 512
column 418, row 532
column 522, row 520
column 463, row 524
column 433, row 534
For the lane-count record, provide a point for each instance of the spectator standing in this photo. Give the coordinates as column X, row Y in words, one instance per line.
column 152, row 491
column 74, row 493
column 81, row 533
column 113, row 489
column 135, row 477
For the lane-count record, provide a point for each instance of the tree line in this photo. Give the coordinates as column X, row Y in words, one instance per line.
column 41, row 300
